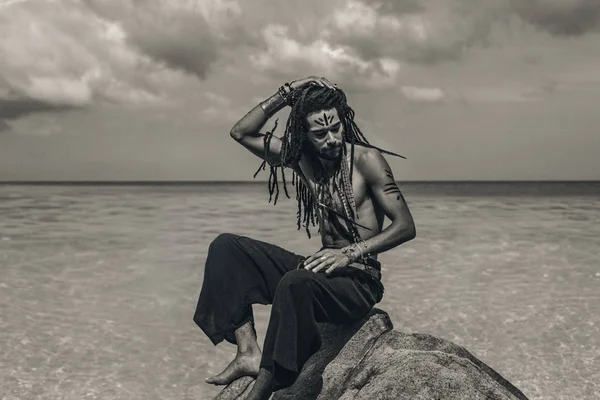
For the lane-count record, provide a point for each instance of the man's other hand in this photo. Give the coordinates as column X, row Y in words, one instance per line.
column 326, row 258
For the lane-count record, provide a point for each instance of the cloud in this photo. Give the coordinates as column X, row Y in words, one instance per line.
column 367, row 42
column 422, row 94
column 363, row 35
column 66, row 54
column 396, row 7
column 60, row 54
column 184, row 35
column 429, row 33
column 560, row 17
column 4, row 126
column 217, row 99
column 18, row 107
column 286, row 57
column 502, row 94
column 219, row 108
column 75, row 53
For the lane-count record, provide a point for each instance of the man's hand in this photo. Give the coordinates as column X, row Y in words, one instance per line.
column 327, row 258
column 312, row 80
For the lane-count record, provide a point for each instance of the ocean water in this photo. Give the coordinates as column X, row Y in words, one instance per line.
column 98, row 284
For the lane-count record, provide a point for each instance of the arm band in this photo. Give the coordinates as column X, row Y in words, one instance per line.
column 273, row 104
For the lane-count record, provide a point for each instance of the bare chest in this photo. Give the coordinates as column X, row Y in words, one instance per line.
column 333, row 195
column 334, row 227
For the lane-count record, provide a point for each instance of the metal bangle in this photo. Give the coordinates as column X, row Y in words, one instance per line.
column 273, row 103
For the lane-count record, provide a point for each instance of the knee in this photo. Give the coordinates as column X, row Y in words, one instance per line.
column 220, row 252
column 295, row 287
column 223, row 239
column 296, row 278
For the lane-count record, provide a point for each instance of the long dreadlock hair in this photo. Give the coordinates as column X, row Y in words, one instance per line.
column 294, row 141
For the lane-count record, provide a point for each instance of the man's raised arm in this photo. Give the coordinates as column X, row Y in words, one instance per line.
column 247, row 130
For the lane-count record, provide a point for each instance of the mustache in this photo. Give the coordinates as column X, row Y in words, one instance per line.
column 334, row 147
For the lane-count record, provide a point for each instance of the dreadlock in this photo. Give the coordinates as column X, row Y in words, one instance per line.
column 294, row 141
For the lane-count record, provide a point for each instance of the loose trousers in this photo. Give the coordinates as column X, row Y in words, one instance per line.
column 241, row 271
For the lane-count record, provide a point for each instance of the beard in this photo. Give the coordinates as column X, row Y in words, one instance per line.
column 331, row 153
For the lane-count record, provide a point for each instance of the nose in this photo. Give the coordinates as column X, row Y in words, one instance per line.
column 331, row 140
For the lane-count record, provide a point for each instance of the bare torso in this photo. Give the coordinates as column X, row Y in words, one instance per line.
column 369, row 213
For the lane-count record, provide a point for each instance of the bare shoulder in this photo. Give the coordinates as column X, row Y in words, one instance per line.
column 370, row 162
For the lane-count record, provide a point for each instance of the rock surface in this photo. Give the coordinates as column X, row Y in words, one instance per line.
column 370, row 360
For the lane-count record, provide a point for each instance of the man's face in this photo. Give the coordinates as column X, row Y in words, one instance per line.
column 325, row 132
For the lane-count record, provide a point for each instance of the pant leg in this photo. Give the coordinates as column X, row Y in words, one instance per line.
column 303, row 299
column 239, row 271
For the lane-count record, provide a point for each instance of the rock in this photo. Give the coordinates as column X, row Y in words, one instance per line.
column 354, row 339
column 238, row 389
column 370, row 360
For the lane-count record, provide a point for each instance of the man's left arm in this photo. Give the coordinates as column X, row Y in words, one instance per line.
column 381, row 183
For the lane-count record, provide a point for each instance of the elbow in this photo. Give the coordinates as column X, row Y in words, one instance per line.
column 410, row 233
column 235, row 134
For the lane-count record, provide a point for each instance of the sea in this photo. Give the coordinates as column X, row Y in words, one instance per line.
column 99, row 282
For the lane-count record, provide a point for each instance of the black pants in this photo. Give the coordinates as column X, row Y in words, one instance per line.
column 241, row 271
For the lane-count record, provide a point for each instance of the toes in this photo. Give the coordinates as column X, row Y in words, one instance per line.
column 223, row 380
column 216, row 381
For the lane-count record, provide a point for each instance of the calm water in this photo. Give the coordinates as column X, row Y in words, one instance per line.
column 98, row 284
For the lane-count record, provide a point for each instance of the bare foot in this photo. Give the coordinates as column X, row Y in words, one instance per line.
column 244, row 364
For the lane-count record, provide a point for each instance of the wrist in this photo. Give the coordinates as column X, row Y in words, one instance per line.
column 273, row 104
column 353, row 252
column 278, row 100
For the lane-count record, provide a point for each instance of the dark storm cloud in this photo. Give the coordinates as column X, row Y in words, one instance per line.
column 397, row 7
column 176, row 35
column 13, row 108
column 184, row 43
column 567, row 17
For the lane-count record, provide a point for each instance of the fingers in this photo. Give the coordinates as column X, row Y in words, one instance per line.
column 332, row 268
column 316, row 263
column 322, row 82
column 323, row 264
column 328, row 84
column 314, row 257
column 324, row 259
column 338, row 264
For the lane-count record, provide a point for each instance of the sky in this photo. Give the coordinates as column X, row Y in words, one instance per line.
column 149, row 89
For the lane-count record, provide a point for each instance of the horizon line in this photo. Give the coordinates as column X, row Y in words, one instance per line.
column 195, row 182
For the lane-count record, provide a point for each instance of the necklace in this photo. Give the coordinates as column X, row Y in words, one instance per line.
column 340, row 184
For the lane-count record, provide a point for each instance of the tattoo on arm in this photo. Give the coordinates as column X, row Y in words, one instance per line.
column 391, row 187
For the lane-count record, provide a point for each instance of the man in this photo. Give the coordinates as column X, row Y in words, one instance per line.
column 346, row 185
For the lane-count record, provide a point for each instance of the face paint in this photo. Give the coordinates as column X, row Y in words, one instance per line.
column 325, row 132
column 324, row 120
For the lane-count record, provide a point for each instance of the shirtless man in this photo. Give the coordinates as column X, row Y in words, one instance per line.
column 348, row 187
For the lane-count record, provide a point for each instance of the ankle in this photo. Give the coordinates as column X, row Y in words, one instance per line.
column 249, row 351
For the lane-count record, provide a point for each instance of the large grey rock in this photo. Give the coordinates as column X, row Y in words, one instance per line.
column 369, row 360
